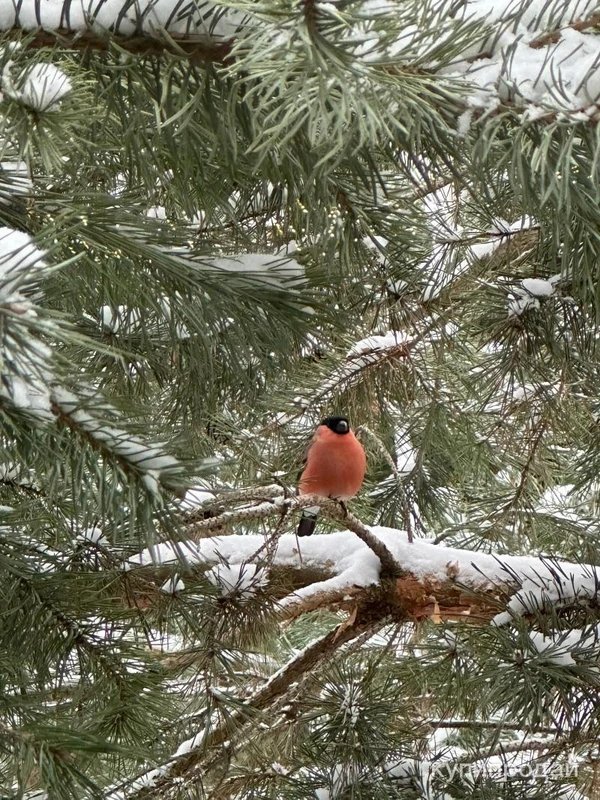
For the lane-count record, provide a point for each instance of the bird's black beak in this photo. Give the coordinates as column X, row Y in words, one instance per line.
column 342, row 426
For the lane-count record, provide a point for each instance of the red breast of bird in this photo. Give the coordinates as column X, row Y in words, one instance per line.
column 335, row 463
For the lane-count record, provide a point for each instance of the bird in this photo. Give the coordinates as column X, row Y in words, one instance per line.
column 335, row 468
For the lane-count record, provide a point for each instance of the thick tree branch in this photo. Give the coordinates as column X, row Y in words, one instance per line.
column 199, row 31
column 435, row 582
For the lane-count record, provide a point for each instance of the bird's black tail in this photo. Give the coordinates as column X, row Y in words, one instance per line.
column 308, row 521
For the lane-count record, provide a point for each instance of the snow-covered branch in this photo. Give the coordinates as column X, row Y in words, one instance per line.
column 201, row 30
column 441, row 583
column 282, row 505
column 436, row 581
column 541, row 59
column 366, row 354
column 150, row 461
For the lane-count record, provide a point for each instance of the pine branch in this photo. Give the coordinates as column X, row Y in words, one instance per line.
column 437, row 582
column 199, row 32
column 148, row 462
column 562, row 743
column 332, row 600
column 477, row 724
column 213, row 506
column 552, row 37
column 148, row 45
column 193, row 763
column 329, row 508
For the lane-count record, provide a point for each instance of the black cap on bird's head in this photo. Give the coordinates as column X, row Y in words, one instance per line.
column 337, row 424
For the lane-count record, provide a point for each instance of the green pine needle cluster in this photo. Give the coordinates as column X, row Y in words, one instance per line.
column 206, row 257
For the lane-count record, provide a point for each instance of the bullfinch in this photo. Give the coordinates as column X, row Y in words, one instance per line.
column 335, row 467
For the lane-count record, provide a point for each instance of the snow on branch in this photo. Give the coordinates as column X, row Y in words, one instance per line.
column 150, row 460
column 551, row 584
column 428, row 576
column 340, row 558
column 365, row 354
column 329, row 508
column 530, row 293
column 201, row 30
column 180, row 18
column 26, row 359
column 440, row 270
column 15, row 180
column 539, row 59
column 21, row 263
column 458, row 249
column 437, row 581
column 41, row 86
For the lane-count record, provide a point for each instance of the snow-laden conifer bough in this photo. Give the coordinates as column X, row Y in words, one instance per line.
column 125, row 19
column 434, row 582
column 540, row 57
column 30, row 385
column 348, row 563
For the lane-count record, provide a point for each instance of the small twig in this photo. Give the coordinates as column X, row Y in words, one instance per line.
column 527, row 745
column 476, row 724
column 330, row 508
column 269, row 492
column 380, row 447
column 228, row 518
column 553, row 37
column 383, row 451
column 484, row 235
column 143, row 45
column 231, row 497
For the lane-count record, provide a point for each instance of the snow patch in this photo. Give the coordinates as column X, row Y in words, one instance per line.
column 277, row 271
column 242, row 580
column 15, row 180
column 149, row 458
column 40, row 86
column 202, row 19
column 19, row 260
column 559, row 648
column 94, row 535
column 173, row 585
column 197, row 496
column 376, row 343
column 529, row 292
